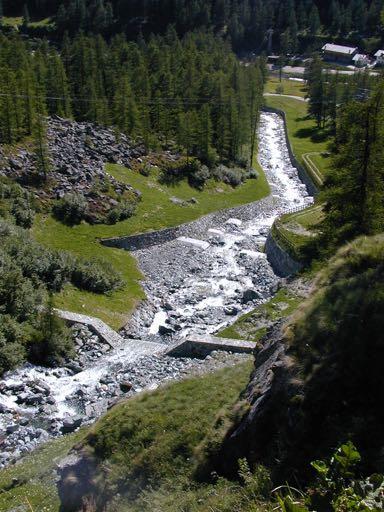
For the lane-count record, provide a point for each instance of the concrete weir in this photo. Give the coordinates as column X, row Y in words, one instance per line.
column 193, row 346
column 95, row 325
column 201, row 346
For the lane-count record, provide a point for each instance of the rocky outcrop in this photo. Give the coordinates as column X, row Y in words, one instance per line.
column 78, row 153
column 270, row 412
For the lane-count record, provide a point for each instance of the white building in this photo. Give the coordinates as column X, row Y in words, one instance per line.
column 360, row 60
column 339, row 53
column 379, row 56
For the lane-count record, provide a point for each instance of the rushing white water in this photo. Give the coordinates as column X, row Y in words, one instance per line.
column 199, row 276
column 64, row 384
column 212, row 270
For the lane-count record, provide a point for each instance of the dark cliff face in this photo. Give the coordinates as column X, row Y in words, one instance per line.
column 319, row 381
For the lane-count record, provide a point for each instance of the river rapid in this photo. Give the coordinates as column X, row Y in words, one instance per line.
column 195, row 284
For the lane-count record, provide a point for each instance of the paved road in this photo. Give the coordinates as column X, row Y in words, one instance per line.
column 299, row 98
column 299, row 70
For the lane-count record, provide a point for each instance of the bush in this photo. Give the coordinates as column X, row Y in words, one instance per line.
column 252, row 174
column 12, row 346
column 198, row 175
column 51, row 341
column 19, row 296
column 233, row 177
column 122, row 211
column 186, row 168
column 22, row 212
column 95, row 276
column 145, row 170
column 71, row 209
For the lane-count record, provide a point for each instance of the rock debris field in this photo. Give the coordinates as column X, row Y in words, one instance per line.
column 196, row 284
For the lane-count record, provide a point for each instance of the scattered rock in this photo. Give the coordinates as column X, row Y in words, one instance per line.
column 126, row 386
column 71, row 424
column 250, row 295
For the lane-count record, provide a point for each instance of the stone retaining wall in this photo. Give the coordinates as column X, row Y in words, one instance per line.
column 95, row 325
column 282, row 263
column 143, row 240
column 303, row 173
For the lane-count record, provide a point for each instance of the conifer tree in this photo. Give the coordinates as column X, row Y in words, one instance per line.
column 26, row 17
column 41, row 151
column 354, row 189
column 314, row 20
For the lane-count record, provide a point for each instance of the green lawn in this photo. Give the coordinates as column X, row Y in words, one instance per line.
column 306, row 139
column 155, row 211
column 290, row 87
column 251, row 325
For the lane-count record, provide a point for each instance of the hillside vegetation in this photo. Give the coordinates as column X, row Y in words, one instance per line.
column 297, row 24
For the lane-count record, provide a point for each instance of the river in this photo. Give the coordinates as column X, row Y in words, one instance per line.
column 196, row 284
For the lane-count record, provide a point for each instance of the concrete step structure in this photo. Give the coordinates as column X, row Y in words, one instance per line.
column 201, row 346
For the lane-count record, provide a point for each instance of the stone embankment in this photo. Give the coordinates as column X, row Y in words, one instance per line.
column 282, row 263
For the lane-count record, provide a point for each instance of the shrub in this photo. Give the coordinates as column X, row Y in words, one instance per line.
column 51, row 341
column 145, row 170
column 122, row 211
column 198, row 175
column 22, row 212
column 12, row 348
column 186, row 168
column 71, row 209
column 252, row 174
column 19, row 296
column 233, row 177
column 95, row 276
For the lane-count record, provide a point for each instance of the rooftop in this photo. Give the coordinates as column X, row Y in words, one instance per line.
column 337, row 48
column 360, row 56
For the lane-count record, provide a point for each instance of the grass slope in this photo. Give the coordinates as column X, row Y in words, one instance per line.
column 290, row 87
column 250, row 326
column 31, row 482
column 151, row 437
column 155, row 211
column 151, row 442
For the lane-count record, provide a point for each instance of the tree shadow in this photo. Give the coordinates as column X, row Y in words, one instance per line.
column 170, row 179
column 313, row 133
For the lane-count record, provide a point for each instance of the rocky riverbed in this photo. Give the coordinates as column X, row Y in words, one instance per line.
column 37, row 403
column 196, row 284
column 216, row 270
